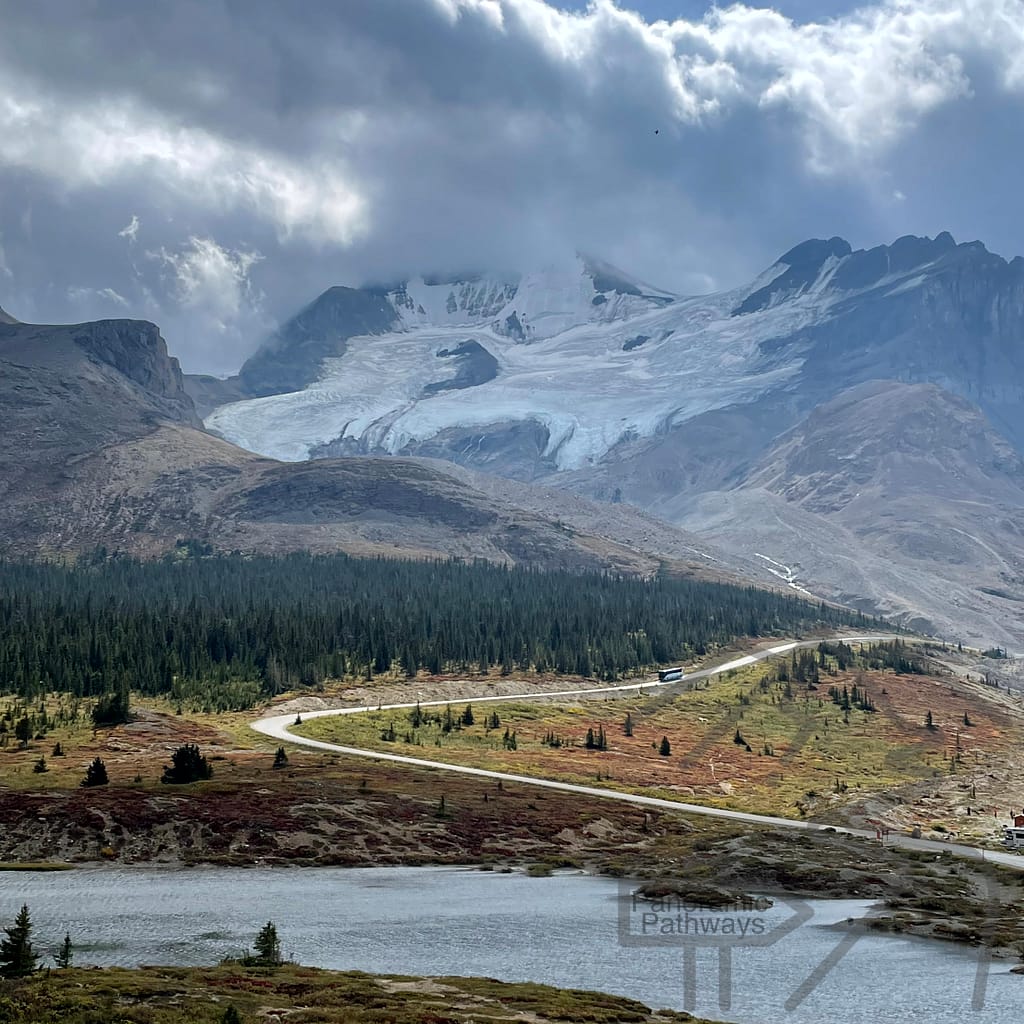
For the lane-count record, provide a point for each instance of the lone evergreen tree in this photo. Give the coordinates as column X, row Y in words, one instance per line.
column 58, row 750
column 928, row 721
column 467, row 715
column 95, row 774
column 17, row 958
column 267, row 945
column 280, row 758
column 231, row 1016
column 65, row 954
column 628, row 727
column 188, row 765
column 40, row 767
column 23, row 731
column 665, row 749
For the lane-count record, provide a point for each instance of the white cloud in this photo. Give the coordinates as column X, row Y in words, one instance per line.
column 212, row 280
column 131, row 231
column 106, row 296
column 92, row 145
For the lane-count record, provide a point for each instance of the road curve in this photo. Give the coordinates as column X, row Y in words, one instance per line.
column 277, row 727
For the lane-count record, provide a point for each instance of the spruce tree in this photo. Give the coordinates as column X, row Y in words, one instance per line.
column 188, row 765
column 267, row 945
column 65, row 954
column 665, row 749
column 17, row 958
column 280, row 758
column 23, row 731
column 95, row 774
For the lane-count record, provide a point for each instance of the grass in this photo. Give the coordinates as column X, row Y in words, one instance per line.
column 161, row 995
column 805, row 757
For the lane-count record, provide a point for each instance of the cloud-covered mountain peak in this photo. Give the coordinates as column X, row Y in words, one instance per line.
column 529, row 306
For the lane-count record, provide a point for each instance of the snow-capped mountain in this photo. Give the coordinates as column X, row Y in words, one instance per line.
column 752, row 416
column 555, row 369
column 585, row 357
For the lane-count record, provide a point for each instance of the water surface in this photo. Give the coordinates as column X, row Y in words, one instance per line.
column 562, row 930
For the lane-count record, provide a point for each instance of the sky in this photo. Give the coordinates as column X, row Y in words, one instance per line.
column 213, row 165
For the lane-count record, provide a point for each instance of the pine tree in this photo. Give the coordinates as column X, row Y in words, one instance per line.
column 17, row 958
column 467, row 715
column 40, row 767
column 65, row 954
column 928, row 721
column 187, row 765
column 231, row 1016
column 280, row 758
column 267, row 945
column 95, row 774
column 58, row 750
column 665, row 749
column 628, row 727
column 23, row 731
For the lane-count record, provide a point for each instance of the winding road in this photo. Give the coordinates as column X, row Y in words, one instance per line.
column 277, row 727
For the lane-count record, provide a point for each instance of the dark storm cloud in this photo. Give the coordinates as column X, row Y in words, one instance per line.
column 213, row 166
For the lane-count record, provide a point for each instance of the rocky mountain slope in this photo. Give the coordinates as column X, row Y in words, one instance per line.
column 895, row 497
column 584, row 379
column 104, row 448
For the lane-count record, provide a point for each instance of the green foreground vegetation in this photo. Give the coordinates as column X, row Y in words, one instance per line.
column 231, row 994
column 224, row 632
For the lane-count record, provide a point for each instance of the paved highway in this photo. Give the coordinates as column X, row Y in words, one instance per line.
column 277, row 727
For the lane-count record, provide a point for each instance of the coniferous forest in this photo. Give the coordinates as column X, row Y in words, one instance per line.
column 230, row 629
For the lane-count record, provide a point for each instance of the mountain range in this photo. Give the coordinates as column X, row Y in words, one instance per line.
column 103, row 448
column 849, row 424
column 849, row 421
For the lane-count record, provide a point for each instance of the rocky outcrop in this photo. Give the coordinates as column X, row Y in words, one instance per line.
column 137, row 351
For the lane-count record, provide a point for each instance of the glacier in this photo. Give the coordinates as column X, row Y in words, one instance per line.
column 592, row 367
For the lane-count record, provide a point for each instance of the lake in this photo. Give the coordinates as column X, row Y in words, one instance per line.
column 563, row 930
